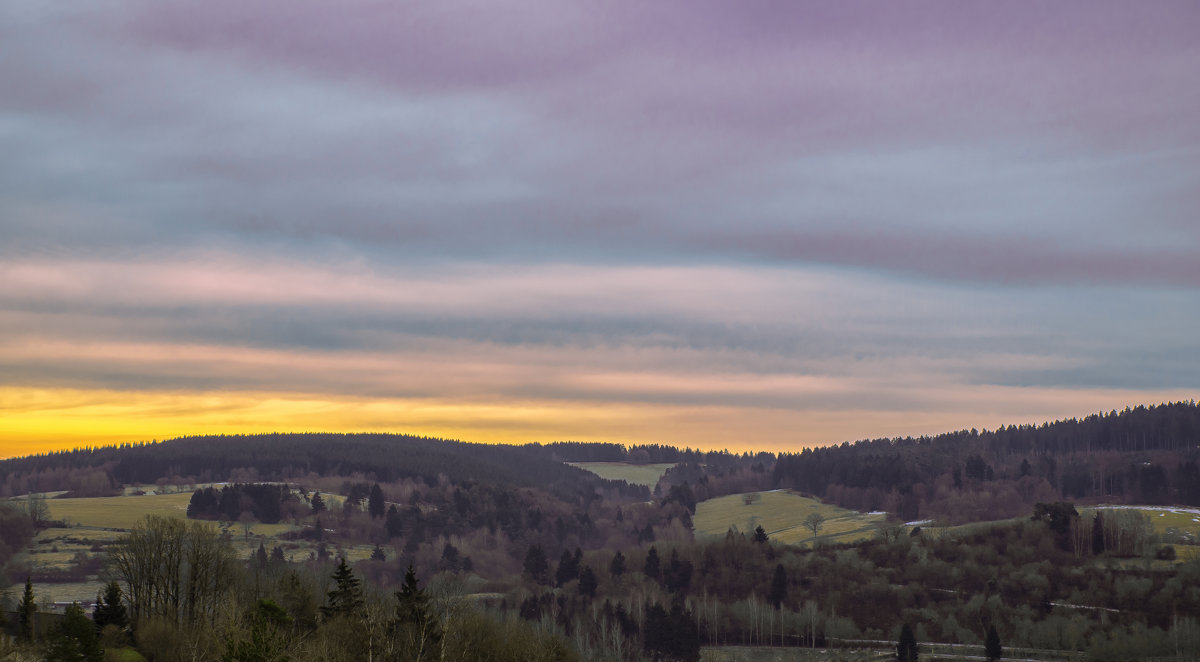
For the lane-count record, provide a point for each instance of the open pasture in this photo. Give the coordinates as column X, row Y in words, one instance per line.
column 1165, row 517
column 781, row 514
column 119, row 512
column 634, row 474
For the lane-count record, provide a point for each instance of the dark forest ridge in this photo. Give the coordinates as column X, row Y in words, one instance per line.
column 1144, row 454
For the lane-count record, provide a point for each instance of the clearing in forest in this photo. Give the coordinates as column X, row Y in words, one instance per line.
column 782, row 514
column 634, row 474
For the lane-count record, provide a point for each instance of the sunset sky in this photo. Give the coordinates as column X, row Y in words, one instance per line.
column 750, row 225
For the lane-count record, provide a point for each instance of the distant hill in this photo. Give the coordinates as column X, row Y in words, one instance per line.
column 385, row 457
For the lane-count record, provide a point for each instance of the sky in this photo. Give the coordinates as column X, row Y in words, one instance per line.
column 754, row 226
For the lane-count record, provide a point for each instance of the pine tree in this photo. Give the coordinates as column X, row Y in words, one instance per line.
column 778, row 587
column 260, row 556
column 907, row 649
column 318, row 504
column 760, row 534
column 587, row 582
column 535, row 564
column 568, row 569
column 74, row 638
column 415, row 620
column 1098, row 535
column 991, row 646
column 375, row 503
column 110, row 610
column 346, row 598
column 27, row 612
column 617, row 567
column 653, row 567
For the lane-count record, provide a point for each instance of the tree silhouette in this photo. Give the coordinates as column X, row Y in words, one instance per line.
column 907, row 649
column 991, row 646
column 415, row 619
column 27, row 611
column 375, row 503
column 109, row 608
column 617, row 567
column 346, row 598
column 74, row 638
column 535, row 564
column 653, row 567
column 814, row 522
column 778, row 587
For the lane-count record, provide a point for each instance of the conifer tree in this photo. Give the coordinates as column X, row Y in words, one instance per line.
column 74, row 638
column 907, row 649
column 653, row 567
column 991, row 646
column 110, row 610
column 346, row 598
column 27, row 611
column 419, row 628
column 535, row 564
column 617, row 567
column 375, row 503
column 778, row 587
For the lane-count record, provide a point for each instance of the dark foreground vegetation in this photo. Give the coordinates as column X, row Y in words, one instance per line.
column 495, row 552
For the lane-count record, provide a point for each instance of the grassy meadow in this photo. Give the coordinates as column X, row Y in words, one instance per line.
column 634, row 474
column 781, row 514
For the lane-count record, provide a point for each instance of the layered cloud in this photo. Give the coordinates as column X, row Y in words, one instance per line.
column 673, row 221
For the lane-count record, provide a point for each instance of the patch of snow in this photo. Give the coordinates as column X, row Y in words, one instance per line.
column 877, row 512
column 920, row 522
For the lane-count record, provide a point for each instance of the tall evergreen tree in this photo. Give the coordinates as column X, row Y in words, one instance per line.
column 1098, row 534
column 375, row 504
column 778, row 587
column 74, row 638
column 567, row 569
column 617, row 567
column 991, row 646
column 415, row 621
column 318, row 504
column 653, row 567
column 907, row 649
column 110, row 610
column 535, row 564
column 346, row 598
column 27, row 612
column 588, row 582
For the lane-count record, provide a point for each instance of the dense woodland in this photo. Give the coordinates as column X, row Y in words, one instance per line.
column 507, row 549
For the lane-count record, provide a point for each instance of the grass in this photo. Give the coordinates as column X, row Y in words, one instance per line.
column 120, row 512
column 1166, row 517
column 634, row 474
column 782, row 514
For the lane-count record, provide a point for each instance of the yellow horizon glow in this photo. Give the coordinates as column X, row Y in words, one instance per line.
column 40, row 420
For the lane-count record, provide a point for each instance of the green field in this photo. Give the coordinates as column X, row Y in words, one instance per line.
column 634, row 474
column 117, row 512
column 1184, row 520
column 781, row 514
column 122, row 512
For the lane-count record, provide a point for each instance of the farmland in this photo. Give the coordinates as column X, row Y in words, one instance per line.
column 634, row 474
column 781, row 514
column 94, row 523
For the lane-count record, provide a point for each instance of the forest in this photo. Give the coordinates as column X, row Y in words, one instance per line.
column 506, row 552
